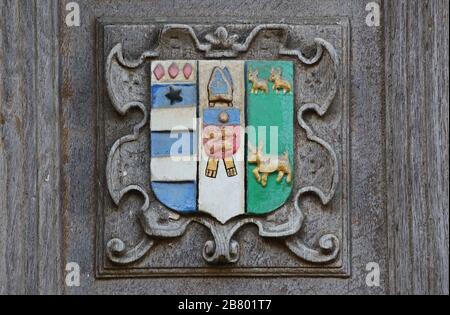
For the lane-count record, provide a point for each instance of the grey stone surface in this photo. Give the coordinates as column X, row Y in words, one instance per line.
column 398, row 132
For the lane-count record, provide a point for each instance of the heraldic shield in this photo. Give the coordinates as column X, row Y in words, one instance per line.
column 222, row 136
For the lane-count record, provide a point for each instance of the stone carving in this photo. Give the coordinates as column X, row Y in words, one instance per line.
column 257, row 84
column 222, row 248
column 266, row 165
column 221, row 39
column 278, row 83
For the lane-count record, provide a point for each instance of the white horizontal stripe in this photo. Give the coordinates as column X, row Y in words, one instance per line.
column 168, row 169
column 167, row 119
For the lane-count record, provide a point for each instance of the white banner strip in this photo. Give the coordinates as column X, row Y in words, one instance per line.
column 168, row 119
column 169, row 169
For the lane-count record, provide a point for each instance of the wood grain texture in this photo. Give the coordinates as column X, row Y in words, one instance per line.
column 48, row 147
column 417, row 145
column 18, row 134
column 29, row 149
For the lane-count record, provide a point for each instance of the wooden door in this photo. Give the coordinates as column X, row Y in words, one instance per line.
column 367, row 208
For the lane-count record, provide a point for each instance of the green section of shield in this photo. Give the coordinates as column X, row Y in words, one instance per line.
column 269, row 110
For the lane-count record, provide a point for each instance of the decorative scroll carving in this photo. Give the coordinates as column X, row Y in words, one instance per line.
column 160, row 222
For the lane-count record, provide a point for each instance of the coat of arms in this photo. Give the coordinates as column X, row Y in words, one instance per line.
column 223, row 143
column 222, row 136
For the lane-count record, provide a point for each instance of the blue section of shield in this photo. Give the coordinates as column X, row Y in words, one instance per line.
column 211, row 116
column 161, row 144
column 228, row 75
column 188, row 95
column 180, row 197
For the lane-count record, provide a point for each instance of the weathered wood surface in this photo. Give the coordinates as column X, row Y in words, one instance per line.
column 29, row 149
column 32, row 157
column 417, row 145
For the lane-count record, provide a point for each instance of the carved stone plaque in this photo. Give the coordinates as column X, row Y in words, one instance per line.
column 240, row 210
